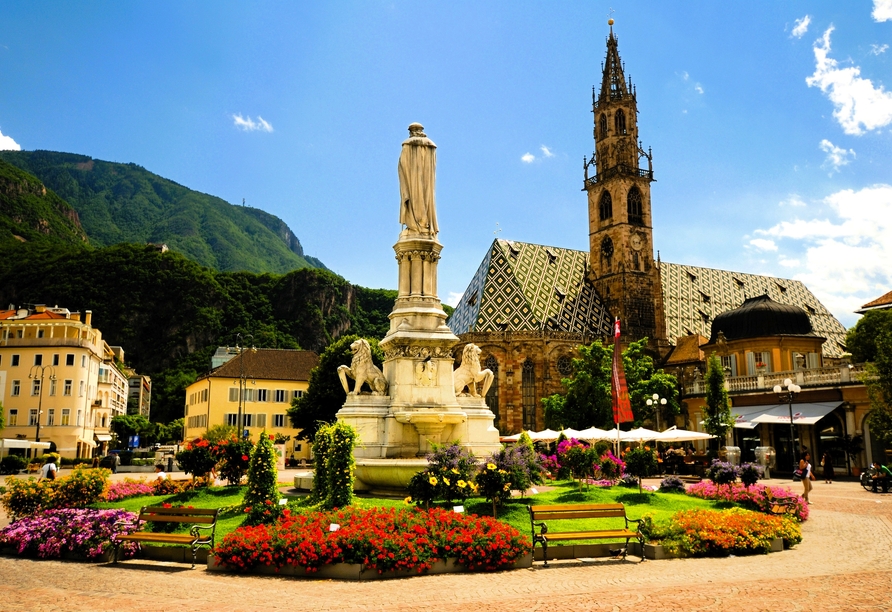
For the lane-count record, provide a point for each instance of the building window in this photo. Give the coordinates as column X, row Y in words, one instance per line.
column 15, row 360
column 13, row 417
column 248, row 420
column 278, row 420
column 634, row 206
column 80, row 389
column 281, row 395
column 758, row 361
column 729, row 365
column 297, row 394
column 260, row 420
column 35, row 387
column 232, row 419
column 261, row 395
column 56, row 359
column 492, row 395
column 52, row 386
column 38, row 359
column 602, row 125
column 66, row 390
column 50, row 417
column 69, row 359
column 233, row 394
column 16, row 388
column 605, row 206
column 66, row 416
column 619, row 121
column 528, row 389
column 83, row 361
column 565, row 365
column 32, row 417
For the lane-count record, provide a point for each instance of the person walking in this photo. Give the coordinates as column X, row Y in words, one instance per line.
column 827, row 465
column 807, row 475
column 48, row 471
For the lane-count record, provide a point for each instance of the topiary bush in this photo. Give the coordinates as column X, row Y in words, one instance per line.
column 672, row 484
column 232, row 457
column 750, row 473
column 197, row 458
column 640, row 462
column 261, row 501
column 334, row 465
column 494, row 484
column 321, row 446
column 722, row 472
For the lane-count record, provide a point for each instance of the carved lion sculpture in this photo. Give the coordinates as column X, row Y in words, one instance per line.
column 469, row 373
column 362, row 370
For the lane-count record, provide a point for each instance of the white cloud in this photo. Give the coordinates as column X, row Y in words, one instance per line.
column 763, row 245
column 878, row 49
column 8, row 144
column 836, row 156
column 882, row 10
column 546, row 151
column 249, row 125
column 845, row 259
column 453, row 298
column 800, row 26
column 857, row 102
column 528, row 158
column 698, row 88
column 793, row 200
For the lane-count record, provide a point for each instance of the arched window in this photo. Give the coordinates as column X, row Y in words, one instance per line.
column 619, row 122
column 528, row 389
column 634, row 206
column 602, row 124
column 492, row 396
column 605, row 207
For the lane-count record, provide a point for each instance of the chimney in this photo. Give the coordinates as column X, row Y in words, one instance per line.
column 39, row 308
column 89, row 316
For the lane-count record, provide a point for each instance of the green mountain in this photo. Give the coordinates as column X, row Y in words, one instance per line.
column 31, row 212
column 125, row 203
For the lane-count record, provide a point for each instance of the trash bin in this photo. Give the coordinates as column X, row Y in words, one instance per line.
column 732, row 454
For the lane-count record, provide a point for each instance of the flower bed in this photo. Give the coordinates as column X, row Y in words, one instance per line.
column 723, row 532
column 382, row 539
column 757, row 497
column 52, row 534
column 128, row 488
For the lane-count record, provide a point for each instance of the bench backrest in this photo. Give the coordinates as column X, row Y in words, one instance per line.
column 160, row 514
column 574, row 511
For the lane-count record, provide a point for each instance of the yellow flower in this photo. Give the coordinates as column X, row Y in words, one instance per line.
column 502, row 472
column 408, row 500
column 461, row 484
column 445, row 481
column 506, row 487
column 432, row 480
column 490, row 466
column 455, row 471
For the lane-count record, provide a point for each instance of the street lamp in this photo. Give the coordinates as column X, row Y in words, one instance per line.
column 787, row 396
column 243, row 376
column 37, row 373
column 656, row 401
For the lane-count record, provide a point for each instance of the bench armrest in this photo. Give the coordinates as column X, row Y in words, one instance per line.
column 194, row 531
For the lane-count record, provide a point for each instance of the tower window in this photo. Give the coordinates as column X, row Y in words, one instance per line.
column 605, row 207
column 619, row 122
column 634, row 206
column 528, row 393
column 602, row 125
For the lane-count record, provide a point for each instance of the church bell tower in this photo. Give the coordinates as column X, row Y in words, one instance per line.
column 621, row 265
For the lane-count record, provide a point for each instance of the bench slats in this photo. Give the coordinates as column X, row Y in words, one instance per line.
column 539, row 514
column 159, row 514
column 591, row 535
column 572, row 514
column 170, row 518
column 164, row 538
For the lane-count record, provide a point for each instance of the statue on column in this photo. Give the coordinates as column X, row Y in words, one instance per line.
column 417, row 171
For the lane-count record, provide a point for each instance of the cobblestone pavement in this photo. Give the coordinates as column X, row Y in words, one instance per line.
column 843, row 563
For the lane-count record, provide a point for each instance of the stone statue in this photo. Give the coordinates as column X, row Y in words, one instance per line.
column 469, row 372
column 417, row 171
column 363, row 370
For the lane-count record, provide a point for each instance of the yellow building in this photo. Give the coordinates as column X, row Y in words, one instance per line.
column 58, row 380
column 268, row 379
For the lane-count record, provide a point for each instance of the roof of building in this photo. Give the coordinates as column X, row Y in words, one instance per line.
column 15, row 314
column 268, row 364
column 687, row 350
column 760, row 317
column 884, row 301
column 522, row 287
column 525, row 287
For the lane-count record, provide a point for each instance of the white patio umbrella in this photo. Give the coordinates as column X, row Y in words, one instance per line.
column 548, row 435
column 571, row 433
column 642, row 434
column 673, row 434
column 593, row 433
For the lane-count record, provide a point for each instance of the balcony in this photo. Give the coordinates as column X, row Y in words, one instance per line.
column 814, row 378
column 619, row 170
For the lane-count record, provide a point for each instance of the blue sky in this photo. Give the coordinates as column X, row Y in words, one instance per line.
column 769, row 121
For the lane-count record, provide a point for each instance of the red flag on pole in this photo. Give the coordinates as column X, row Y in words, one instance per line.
column 622, row 407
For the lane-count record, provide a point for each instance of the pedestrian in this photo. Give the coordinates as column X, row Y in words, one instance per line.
column 827, row 464
column 49, row 469
column 807, row 475
column 159, row 472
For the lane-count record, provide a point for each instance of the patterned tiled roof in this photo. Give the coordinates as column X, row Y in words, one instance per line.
column 526, row 287
column 693, row 296
column 523, row 287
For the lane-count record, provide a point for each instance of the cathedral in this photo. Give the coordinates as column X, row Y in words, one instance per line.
column 529, row 306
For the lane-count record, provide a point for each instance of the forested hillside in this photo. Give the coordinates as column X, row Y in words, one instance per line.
column 119, row 203
column 170, row 314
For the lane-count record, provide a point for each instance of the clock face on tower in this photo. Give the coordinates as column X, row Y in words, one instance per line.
column 636, row 242
column 607, row 246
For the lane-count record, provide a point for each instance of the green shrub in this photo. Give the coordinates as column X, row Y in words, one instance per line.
column 84, row 486
column 12, row 464
column 24, row 496
column 321, row 446
column 340, row 465
column 261, row 501
column 233, row 457
column 640, row 463
column 196, row 458
column 494, row 484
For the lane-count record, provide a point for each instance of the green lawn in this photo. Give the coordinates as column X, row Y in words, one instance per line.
column 659, row 506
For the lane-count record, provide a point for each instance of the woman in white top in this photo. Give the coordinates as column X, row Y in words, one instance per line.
column 48, row 470
column 807, row 475
column 159, row 472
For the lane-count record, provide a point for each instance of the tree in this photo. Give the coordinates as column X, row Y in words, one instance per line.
column 325, row 395
column 862, row 339
column 166, row 433
column 871, row 341
column 640, row 462
column 126, row 425
column 717, row 411
column 261, row 501
column 644, row 381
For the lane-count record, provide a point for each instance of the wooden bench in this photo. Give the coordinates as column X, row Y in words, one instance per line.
column 201, row 519
column 540, row 514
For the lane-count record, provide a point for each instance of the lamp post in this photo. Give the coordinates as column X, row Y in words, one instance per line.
column 243, row 376
column 656, row 401
column 786, row 394
column 37, row 373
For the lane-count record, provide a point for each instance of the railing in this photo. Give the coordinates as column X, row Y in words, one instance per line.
column 77, row 342
column 815, row 377
column 619, row 170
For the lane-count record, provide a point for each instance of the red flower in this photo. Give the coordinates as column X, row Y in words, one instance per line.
column 244, row 457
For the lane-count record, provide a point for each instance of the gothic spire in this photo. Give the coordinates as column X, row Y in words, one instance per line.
column 613, row 83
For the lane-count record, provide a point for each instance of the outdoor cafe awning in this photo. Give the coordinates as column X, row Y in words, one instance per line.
column 803, row 414
column 103, row 438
